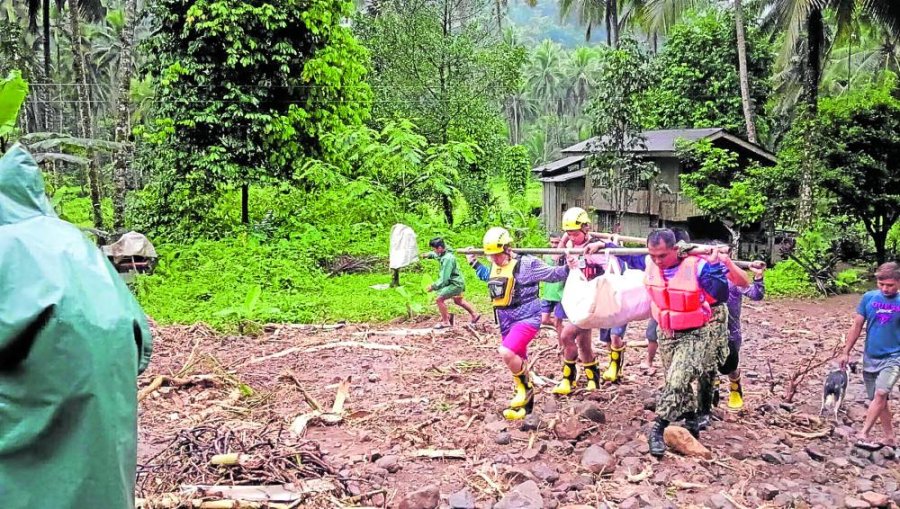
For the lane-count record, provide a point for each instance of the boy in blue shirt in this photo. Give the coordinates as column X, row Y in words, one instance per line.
column 879, row 311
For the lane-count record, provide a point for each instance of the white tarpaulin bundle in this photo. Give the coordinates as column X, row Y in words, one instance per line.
column 130, row 244
column 404, row 250
column 611, row 300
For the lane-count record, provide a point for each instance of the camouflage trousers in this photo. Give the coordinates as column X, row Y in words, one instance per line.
column 716, row 356
column 691, row 357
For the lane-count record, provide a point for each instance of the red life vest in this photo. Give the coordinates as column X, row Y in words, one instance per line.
column 679, row 303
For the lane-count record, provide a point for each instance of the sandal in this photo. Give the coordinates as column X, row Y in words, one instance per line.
column 441, row 325
column 475, row 319
column 868, row 445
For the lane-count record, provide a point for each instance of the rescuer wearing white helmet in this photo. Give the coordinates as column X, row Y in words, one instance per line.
column 513, row 283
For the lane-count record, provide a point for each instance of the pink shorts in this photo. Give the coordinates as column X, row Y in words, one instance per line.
column 518, row 338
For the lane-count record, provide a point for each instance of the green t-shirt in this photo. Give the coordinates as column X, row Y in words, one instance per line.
column 552, row 291
column 449, row 274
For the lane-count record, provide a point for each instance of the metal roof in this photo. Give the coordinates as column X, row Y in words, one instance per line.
column 656, row 141
column 564, row 177
column 560, row 163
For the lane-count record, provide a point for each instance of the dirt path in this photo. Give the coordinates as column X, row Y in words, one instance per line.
column 426, row 390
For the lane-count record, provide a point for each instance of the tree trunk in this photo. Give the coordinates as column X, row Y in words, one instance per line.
column 123, row 120
column 613, row 6
column 746, row 100
column 814, row 33
column 812, row 75
column 879, row 237
column 448, row 209
column 84, row 110
column 245, row 204
column 608, row 27
column 735, row 234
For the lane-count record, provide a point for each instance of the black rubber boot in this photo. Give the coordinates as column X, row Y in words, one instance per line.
column 692, row 424
column 705, row 400
column 656, row 441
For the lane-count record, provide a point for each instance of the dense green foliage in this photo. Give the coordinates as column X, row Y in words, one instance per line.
column 696, row 76
column 246, row 91
column 860, row 154
column 721, row 186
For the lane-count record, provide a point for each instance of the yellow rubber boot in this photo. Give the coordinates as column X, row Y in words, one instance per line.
column 523, row 401
column 567, row 384
column 736, row 396
column 523, row 389
column 592, row 374
column 616, row 363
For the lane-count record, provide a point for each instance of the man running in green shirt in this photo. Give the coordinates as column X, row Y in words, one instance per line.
column 450, row 283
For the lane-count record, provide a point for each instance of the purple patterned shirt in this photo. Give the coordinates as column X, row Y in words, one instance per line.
column 531, row 271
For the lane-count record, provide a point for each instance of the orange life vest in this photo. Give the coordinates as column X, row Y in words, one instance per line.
column 679, row 303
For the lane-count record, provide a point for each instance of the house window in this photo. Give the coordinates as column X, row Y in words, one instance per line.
column 565, row 207
column 579, row 203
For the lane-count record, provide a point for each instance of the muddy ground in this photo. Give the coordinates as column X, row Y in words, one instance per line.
column 412, row 389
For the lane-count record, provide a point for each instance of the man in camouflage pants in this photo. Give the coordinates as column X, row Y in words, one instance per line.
column 682, row 289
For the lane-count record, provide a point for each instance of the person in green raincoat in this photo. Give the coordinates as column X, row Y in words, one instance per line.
column 72, row 342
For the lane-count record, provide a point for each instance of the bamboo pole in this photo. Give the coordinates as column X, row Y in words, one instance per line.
column 609, row 251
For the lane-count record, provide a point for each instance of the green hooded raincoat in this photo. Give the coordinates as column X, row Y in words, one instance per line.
column 72, row 342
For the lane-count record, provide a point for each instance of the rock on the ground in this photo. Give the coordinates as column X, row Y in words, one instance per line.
column 530, row 423
column 718, row 501
column 545, row 473
column 839, row 463
column 768, row 491
column 859, row 462
column 855, row 503
column 598, row 461
column 390, row 463
column 680, row 440
column 428, row 497
column 524, row 496
column 569, row 428
column 772, row 457
column 550, row 406
column 530, row 454
column 462, row 499
column 503, row 438
column 876, row 499
column 593, row 413
column 815, row 453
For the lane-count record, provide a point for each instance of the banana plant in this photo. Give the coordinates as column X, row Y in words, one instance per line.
column 13, row 90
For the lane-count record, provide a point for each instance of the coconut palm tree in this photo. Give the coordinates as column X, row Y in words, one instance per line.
column 580, row 71
column 545, row 76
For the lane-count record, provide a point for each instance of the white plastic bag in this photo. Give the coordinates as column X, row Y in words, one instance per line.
column 611, row 300
column 578, row 299
column 404, row 250
column 622, row 297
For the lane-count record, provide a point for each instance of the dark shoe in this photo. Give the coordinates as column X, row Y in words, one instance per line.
column 656, row 441
column 692, row 424
column 703, row 422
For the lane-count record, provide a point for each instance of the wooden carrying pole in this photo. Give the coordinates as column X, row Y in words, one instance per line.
column 609, row 251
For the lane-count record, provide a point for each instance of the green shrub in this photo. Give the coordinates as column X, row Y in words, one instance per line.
column 788, row 279
column 848, row 281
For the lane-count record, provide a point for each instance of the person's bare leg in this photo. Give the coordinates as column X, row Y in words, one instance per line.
column 652, row 347
column 461, row 302
column 442, row 309
column 585, row 347
column 876, row 407
column 887, row 426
